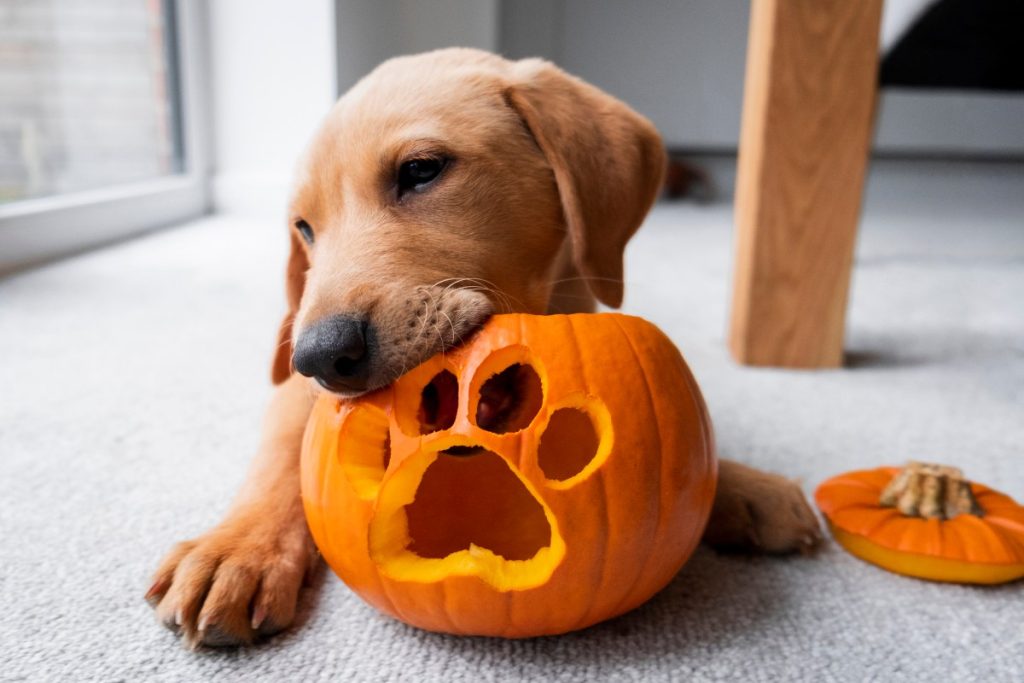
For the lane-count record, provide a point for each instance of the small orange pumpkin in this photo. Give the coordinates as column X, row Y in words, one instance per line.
column 553, row 472
column 926, row 521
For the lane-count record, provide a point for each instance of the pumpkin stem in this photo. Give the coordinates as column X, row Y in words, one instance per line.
column 931, row 491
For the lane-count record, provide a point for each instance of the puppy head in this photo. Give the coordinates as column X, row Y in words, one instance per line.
column 442, row 188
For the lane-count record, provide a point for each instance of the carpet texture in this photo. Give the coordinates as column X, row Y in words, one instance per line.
column 132, row 382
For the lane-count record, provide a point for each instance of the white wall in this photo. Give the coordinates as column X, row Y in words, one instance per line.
column 278, row 65
column 272, row 80
column 681, row 62
column 370, row 31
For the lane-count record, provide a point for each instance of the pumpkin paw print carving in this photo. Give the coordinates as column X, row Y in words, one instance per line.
column 513, row 474
column 459, row 470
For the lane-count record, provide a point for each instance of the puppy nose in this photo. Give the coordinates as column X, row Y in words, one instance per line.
column 334, row 351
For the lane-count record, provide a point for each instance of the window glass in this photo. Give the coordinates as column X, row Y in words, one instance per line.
column 88, row 95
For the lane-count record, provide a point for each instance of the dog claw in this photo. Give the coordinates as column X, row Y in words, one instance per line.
column 168, row 623
column 159, row 586
column 259, row 615
column 810, row 543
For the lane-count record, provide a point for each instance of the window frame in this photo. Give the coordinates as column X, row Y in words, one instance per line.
column 40, row 229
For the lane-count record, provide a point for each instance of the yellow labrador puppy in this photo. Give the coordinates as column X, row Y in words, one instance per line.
column 441, row 188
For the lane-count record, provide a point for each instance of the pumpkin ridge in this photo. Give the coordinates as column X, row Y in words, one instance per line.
column 881, row 519
column 1008, row 524
column 324, row 466
column 907, row 530
column 709, row 432
column 602, row 500
column 995, row 545
column 330, row 463
column 385, row 584
column 1001, row 505
column 933, row 530
column 446, row 606
column 510, row 620
column 1012, row 541
column 1015, row 545
column 891, row 517
column 859, row 485
column 627, row 595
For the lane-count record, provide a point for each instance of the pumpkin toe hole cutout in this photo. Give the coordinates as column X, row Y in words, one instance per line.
column 439, row 403
column 493, row 510
column 364, row 449
column 509, row 400
column 568, row 445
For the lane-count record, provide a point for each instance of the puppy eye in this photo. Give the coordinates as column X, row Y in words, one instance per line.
column 304, row 230
column 415, row 173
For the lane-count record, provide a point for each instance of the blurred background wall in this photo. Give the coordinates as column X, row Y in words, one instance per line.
column 680, row 62
column 214, row 101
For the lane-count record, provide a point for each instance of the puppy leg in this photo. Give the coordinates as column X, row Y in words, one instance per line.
column 242, row 578
column 759, row 511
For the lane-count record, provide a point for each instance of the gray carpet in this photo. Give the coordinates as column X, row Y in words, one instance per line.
column 132, row 381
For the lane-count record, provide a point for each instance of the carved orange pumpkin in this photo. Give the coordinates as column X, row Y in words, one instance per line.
column 926, row 521
column 553, row 472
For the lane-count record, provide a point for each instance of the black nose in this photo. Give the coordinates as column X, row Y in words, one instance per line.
column 335, row 352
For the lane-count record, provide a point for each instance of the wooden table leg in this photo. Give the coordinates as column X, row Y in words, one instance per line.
column 807, row 119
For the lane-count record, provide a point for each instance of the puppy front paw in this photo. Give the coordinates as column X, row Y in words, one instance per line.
column 760, row 511
column 239, row 581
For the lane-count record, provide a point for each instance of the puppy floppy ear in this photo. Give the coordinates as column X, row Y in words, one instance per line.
column 295, row 282
column 607, row 159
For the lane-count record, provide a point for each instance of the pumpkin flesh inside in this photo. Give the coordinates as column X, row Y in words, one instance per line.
column 473, row 500
column 464, row 512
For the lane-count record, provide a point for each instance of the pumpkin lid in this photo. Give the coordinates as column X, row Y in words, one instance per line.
column 992, row 534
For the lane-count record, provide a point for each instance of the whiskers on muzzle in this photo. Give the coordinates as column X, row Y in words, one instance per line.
column 436, row 318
